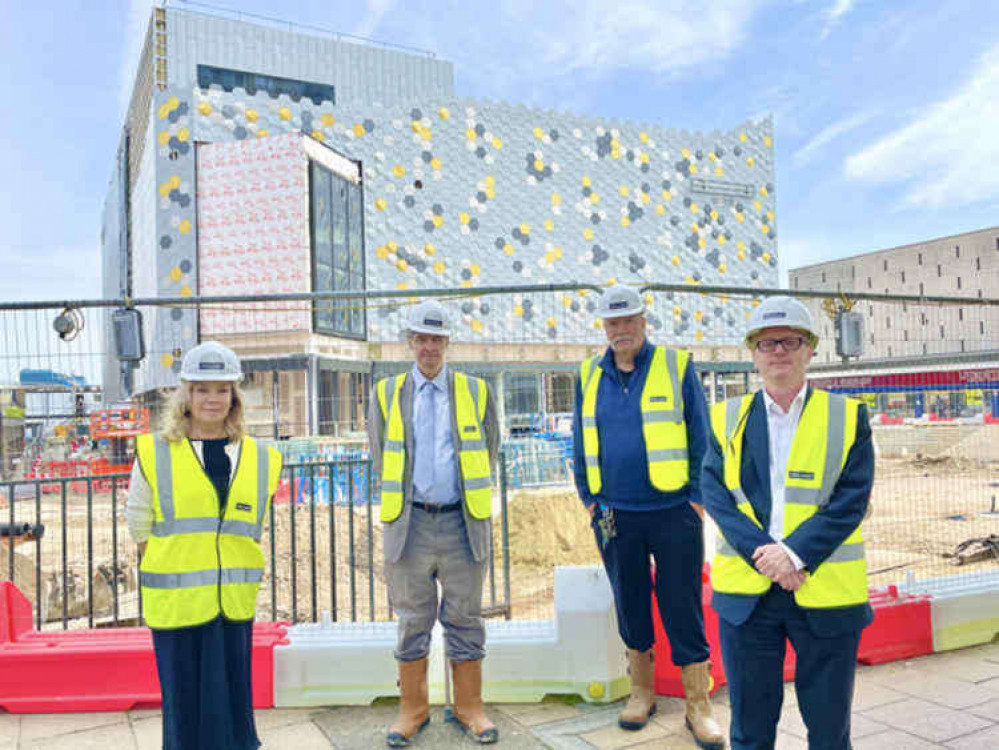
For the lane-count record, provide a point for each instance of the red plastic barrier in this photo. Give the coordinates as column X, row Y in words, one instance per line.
column 15, row 613
column 283, row 492
column 885, row 419
column 902, row 627
column 266, row 635
column 57, row 671
column 667, row 674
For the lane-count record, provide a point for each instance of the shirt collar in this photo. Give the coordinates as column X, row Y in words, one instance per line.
column 796, row 402
column 607, row 363
column 440, row 381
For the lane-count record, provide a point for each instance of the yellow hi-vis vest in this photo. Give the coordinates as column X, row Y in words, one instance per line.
column 469, row 401
column 826, row 431
column 199, row 562
column 662, row 420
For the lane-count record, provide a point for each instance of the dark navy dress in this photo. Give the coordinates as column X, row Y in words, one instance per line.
column 205, row 670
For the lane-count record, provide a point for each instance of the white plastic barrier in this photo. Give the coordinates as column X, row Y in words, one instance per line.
column 964, row 609
column 579, row 653
column 347, row 663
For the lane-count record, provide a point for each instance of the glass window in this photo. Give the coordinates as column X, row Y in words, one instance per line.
column 339, row 219
column 336, row 222
column 522, row 393
column 274, row 86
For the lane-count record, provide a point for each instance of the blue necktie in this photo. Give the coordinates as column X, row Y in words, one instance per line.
column 423, row 471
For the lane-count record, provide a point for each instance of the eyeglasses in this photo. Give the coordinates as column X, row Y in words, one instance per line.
column 790, row 344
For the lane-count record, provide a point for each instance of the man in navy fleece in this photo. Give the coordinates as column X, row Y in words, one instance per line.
column 640, row 431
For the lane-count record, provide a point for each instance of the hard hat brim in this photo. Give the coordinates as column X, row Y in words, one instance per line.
column 220, row 378
column 620, row 313
column 444, row 332
column 813, row 337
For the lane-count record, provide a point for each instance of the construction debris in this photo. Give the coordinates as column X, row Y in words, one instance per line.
column 975, row 550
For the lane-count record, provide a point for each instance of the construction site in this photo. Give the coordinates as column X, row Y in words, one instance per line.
column 933, row 512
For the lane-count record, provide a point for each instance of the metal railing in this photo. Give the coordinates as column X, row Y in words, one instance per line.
column 208, row 9
column 323, row 543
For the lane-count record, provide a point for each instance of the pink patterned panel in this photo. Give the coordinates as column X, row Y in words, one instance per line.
column 253, row 232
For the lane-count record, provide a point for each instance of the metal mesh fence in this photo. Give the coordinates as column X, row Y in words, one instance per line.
column 928, row 372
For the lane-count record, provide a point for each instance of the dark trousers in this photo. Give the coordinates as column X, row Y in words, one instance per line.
column 753, row 654
column 205, row 679
column 673, row 539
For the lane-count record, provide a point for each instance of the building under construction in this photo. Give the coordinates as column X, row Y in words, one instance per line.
column 258, row 159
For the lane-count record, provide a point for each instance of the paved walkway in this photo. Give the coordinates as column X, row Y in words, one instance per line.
column 948, row 700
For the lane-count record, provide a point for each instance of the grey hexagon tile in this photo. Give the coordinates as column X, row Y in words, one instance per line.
column 474, row 193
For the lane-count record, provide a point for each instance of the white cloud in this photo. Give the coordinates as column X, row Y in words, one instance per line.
column 807, row 152
column 134, row 37
column 375, row 11
column 663, row 36
column 834, row 15
column 947, row 156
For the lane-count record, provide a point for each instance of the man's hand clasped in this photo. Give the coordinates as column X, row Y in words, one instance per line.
column 773, row 562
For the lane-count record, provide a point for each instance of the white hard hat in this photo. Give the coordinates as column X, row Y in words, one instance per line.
column 620, row 302
column 430, row 317
column 781, row 312
column 211, row 361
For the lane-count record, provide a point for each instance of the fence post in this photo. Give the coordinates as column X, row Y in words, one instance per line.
column 313, row 499
column 371, row 537
column 294, row 545
column 38, row 560
column 90, row 552
column 273, row 555
column 331, row 506
column 506, row 537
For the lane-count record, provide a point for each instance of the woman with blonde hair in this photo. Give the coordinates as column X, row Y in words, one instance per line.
column 196, row 505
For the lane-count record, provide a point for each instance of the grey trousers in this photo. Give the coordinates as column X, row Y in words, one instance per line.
column 437, row 551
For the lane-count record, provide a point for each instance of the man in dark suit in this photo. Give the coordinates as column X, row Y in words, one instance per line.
column 787, row 478
column 639, row 431
column 433, row 436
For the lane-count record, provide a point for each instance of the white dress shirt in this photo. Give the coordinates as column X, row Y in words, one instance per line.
column 435, row 466
column 781, row 427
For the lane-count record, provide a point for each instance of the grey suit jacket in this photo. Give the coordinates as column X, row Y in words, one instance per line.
column 479, row 531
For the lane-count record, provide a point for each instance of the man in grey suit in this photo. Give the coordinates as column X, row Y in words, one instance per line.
column 433, row 437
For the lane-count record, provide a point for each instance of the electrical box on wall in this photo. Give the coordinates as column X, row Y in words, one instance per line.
column 849, row 334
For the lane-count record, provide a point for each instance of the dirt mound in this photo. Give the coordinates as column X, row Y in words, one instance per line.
column 550, row 527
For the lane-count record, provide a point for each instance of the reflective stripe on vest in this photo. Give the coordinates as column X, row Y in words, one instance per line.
column 663, row 425
column 394, row 447
column 468, row 403
column 198, row 564
column 826, row 431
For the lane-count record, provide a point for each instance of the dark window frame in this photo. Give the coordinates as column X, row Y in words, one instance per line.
column 346, row 319
column 274, row 86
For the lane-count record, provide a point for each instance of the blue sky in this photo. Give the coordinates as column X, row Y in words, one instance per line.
column 886, row 113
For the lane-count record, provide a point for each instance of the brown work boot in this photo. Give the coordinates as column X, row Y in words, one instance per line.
column 414, row 704
column 700, row 719
column 469, row 713
column 641, row 706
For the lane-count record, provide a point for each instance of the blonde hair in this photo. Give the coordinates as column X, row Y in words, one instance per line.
column 177, row 418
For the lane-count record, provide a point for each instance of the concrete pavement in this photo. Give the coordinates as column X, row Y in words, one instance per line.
column 948, row 700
